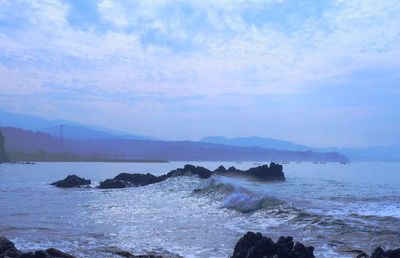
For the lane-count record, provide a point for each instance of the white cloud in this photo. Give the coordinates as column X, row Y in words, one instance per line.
column 226, row 55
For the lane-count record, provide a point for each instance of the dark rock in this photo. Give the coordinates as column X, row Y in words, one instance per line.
column 127, row 180
column 273, row 172
column 42, row 254
column 380, row 253
column 8, row 250
column 284, row 246
column 264, row 173
column 393, row 253
column 112, row 183
column 138, row 179
column 57, row 253
column 189, row 170
column 245, row 243
column 124, row 254
column 28, row 255
column 220, row 169
column 254, row 245
column 362, row 255
column 72, row 181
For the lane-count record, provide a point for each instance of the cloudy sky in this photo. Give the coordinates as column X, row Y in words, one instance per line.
column 322, row 73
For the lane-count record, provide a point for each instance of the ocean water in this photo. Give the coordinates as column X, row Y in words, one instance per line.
column 336, row 208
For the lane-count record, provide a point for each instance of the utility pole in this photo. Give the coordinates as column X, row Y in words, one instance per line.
column 61, row 138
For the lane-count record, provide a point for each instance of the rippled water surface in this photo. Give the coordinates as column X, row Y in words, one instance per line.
column 336, row 208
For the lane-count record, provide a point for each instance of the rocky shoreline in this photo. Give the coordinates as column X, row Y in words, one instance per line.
column 251, row 245
column 273, row 172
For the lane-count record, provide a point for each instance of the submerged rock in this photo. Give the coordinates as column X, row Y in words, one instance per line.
column 72, row 181
column 8, row 250
column 254, row 245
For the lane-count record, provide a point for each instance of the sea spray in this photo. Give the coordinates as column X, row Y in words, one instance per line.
column 238, row 196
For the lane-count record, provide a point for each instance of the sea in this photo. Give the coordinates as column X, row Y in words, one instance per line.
column 337, row 208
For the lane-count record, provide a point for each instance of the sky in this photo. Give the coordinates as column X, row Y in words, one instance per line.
column 321, row 73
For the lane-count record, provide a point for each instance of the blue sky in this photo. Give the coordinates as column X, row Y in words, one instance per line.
column 322, row 73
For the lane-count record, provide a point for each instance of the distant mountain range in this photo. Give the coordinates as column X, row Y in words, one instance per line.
column 69, row 129
column 255, row 141
column 77, row 131
column 374, row 153
column 38, row 146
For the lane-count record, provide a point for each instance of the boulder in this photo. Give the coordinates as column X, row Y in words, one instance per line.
column 72, row 181
column 8, row 250
column 254, row 245
column 380, row 253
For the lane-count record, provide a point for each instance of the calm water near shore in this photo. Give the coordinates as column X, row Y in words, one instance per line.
column 334, row 207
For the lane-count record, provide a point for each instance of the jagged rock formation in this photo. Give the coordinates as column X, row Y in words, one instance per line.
column 273, row 172
column 253, row 245
column 126, row 180
column 72, row 181
column 264, row 173
column 3, row 154
column 8, row 250
column 380, row 253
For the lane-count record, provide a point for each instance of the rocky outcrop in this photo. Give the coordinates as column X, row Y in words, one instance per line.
column 127, row 180
column 72, row 181
column 254, row 245
column 3, row 154
column 273, row 172
column 8, row 250
column 380, row 253
column 190, row 170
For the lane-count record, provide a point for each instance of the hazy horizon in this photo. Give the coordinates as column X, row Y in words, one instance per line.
column 318, row 73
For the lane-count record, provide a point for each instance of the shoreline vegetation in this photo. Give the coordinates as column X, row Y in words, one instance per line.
column 23, row 145
column 43, row 156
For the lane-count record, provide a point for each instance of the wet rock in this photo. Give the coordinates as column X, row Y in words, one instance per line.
column 8, row 250
column 190, row 170
column 72, row 181
column 57, row 253
column 284, row 246
column 129, row 180
column 124, row 254
column 112, row 183
column 254, row 245
column 138, row 179
column 362, row 255
column 380, row 253
column 273, row 172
